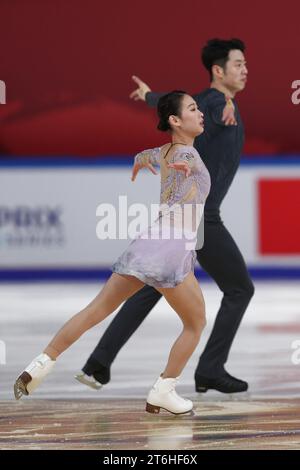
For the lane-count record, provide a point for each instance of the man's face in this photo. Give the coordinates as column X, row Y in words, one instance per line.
column 235, row 72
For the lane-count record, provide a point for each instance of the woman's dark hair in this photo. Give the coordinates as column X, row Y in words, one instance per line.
column 168, row 105
column 216, row 52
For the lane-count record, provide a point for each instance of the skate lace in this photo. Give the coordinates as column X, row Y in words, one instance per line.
column 41, row 362
column 172, row 388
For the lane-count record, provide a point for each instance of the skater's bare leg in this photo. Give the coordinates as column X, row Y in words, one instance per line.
column 117, row 289
column 187, row 300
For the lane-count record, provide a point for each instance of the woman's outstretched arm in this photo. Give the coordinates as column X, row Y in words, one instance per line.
column 146, row 159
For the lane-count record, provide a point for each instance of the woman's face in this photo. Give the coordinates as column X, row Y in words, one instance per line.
column 191, row 119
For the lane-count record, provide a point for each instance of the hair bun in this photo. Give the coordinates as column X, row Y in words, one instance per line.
column 167, row 105
column 163, row 125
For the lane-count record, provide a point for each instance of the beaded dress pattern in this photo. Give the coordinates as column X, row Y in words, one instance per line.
column 164, row 253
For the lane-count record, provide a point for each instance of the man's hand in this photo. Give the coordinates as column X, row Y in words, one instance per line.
column 140, row 92
column 228, row 113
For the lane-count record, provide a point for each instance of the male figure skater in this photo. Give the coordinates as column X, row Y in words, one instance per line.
column 220, row 147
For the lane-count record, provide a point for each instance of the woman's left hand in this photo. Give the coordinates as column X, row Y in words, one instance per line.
column 180, row 166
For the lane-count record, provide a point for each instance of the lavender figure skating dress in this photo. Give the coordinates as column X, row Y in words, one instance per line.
column 164, row 253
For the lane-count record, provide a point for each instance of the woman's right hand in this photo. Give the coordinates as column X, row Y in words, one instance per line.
column 137, row 166
column 140, row 92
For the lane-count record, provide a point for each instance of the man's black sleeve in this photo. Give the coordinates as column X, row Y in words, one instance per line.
column 152, row 98
column 216, row 108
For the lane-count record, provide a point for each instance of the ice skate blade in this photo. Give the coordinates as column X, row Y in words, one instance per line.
column 153, row 409
column 90, row 383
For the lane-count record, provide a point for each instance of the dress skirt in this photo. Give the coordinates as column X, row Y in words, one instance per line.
column 156, row 260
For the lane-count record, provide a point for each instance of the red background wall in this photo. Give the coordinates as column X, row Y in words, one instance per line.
column 67, row 67
column 278, row 209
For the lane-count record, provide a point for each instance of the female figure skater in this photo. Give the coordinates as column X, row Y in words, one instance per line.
column 166, row 264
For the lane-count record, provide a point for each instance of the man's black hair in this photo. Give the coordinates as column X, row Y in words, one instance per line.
column 216, row 52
